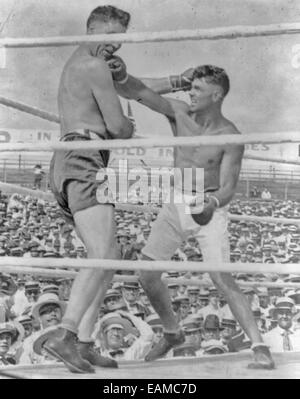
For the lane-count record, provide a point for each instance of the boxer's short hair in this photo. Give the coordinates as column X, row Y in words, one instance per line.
column 213, row 74
column 108, row 13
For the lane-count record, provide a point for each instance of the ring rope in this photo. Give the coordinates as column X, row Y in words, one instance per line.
column 13, row 188
column 226, row 139
column 109, row 264
column 273, row 160
column 28, row 109
column 134, row 278
column 217, row 33
column 45, row 115
column 264, row 219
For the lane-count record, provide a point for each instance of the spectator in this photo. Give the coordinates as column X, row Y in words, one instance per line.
column 192, row 332
column 265, row 194
column 155, row 323
column 213, row 307
column 112, row 297
column 211, row 335
column 130, row 292
column 284, row 337
column 48, row 311
column 121, row 335
column 8, row 335
column 254, row 192
column 38, row 176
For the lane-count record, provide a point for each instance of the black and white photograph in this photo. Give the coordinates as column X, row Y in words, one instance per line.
column 150, row 192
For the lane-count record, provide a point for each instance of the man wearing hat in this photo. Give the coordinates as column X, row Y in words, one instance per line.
column 193, row 294
column 144, row 300
column 131, row 292
column 121, row 335
column 155, row 323
column 203, row 298
column 260, row 320
column 284, row 337
column 211, row 333
column 184, row 350
column 26, row 322
column 228, row 329
column 48, row 311
column 192, row 331
column 173, row 290
column 264, row 300
column 112, row 297
column 213, row 306
column 126, row 247
column 19, row 297
column 32, row 292
column 50, row 288
column 8, row 335
column 184, row 306
column 7, row 290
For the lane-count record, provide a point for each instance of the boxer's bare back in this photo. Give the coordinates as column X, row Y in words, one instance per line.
column 77, row 106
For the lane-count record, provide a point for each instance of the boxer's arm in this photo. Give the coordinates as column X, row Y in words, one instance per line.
column 172, row 83
column 159, row 85
column 102, row 86
column 229, row 173
column 135, row 89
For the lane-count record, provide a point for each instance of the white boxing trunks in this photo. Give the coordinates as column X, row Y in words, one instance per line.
column 175, row 223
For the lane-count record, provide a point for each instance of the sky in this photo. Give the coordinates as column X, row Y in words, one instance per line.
column 264, row 96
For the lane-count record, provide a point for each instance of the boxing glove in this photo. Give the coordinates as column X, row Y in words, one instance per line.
column 206, row 215
column 182, row 82
column 118, row 69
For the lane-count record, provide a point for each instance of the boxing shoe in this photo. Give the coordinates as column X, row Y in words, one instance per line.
column 64, row 348
column 262, row 358
column 166, row 343
column 88, row 352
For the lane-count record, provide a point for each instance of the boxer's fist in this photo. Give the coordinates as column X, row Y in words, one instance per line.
column 205, row 216
column 182, row 82
column 118, row 69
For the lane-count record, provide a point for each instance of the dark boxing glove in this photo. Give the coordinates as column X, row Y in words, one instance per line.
column 118, row 69
column 204, row 217
column 182, row 82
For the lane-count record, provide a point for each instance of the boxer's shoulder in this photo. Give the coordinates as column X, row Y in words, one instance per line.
column 228, row 127
column 88, row 65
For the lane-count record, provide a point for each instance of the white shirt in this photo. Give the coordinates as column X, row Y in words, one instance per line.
column 209, row 309
column 28, row 356
column 266, row 194
column 181, row 254
column 21, row 302
column 274, row 339
column 141, row 346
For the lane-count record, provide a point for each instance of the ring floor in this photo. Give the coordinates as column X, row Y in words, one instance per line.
column 230, row 366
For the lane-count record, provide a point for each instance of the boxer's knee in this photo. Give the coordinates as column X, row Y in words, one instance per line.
column 224, row 282
column 149, row 279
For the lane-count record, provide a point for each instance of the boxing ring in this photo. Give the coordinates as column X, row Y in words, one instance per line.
column 227, row 366
column 210, row 366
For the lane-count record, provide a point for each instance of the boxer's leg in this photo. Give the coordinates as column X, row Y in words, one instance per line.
column 96, row 227
column 214, row 244
column 164, row 239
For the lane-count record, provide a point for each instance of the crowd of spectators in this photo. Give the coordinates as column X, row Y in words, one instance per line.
column 127, row 325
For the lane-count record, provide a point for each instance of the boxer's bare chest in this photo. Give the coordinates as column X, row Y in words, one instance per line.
column 207, row 157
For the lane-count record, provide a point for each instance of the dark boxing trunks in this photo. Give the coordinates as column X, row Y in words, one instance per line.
column 73, row 177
